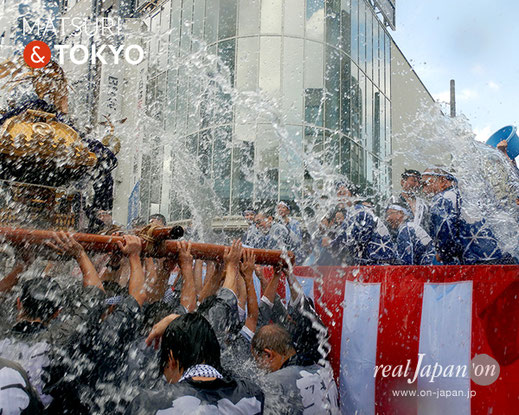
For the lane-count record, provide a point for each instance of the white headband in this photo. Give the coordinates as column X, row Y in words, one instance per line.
column 399, row 208
column 284, row 204
column 446, row 175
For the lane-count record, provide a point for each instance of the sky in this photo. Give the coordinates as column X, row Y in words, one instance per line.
column 473, row 42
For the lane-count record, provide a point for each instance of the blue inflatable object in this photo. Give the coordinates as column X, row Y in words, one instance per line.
column 508, row 133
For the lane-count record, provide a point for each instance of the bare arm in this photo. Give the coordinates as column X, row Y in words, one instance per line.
column 124, row 272
column 64, row 244
column 242, row 293
column 259, row 273
column 185, row 261
column 231, row 260
column 270, row 291
column 24, row 259
column 11, row 279
column 150, row 269
column 90, row 276
column 132, row 248
column 158, row 330
column 199, row 267
column 157, row 283
column 212, row 282
column 211, row 269
column 247, row 269
column 296, row 290
column 114, row 268
column 502, row 146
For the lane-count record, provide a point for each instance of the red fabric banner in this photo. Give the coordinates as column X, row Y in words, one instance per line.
column 494, row 326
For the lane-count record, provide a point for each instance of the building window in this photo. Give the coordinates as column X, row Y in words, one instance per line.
column 211, row 23
column 222, row 165
column 242, row 176
column 330, row 71
column 332, row 79
column 314, row 106
column 314, row 27
column 227, row 23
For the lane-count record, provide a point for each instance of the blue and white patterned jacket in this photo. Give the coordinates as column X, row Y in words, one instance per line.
column 456, row 240
column 414, row 246
column 364, row 239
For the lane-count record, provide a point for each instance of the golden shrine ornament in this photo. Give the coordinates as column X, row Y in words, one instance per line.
column 37, row 133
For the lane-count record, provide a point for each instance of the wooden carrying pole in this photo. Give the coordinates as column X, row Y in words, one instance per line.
column 157, row 248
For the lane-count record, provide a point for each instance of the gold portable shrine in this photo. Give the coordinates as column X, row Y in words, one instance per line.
column 36, row 135
column 41, row 157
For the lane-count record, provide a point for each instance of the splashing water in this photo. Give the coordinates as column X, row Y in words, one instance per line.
column 487, row 182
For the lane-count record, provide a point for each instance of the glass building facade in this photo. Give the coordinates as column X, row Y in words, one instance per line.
column 327, row 64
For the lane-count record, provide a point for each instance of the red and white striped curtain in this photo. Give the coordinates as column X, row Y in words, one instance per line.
column 401, row 317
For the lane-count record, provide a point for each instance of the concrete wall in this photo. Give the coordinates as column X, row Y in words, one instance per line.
column 131, row 95
column 120, row 96
column 414, row 120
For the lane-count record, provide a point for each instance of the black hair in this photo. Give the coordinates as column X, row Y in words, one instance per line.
column 411, row 173
column 449, row 175
column 41, row 298
column 266, row 212
column 153, row 313
column 113, row 289
column 353, row 188
column 160, row 217
column 208, row 303
column 191, row 340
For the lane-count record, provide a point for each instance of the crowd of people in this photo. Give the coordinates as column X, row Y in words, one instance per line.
column 424, row 225
column 126, row 333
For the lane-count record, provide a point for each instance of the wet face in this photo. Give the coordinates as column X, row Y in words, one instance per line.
column 262, row 222
column 157, row 222
column 430, row 184
column 137, row 225
column 343, row 195
column 410, row 184
column 325, row 224
column 343, row 192
column 283, row 211
column 249, row 216
column 339, row 218
column 433, row 185
column 394, row 218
